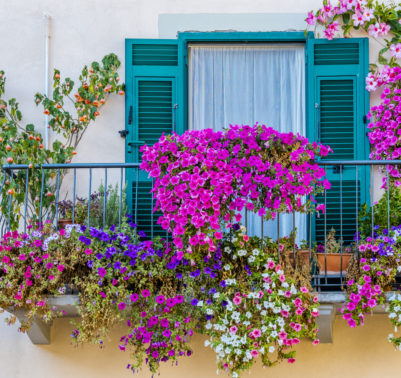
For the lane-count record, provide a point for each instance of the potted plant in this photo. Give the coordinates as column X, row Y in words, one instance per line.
column 330, row 257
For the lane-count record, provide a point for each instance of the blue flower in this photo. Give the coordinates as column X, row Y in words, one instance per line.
column 194, row 302
column 99, row 256
column 142, row 234
column 223, row 283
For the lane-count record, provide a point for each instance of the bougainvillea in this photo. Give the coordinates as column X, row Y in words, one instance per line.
column 204, row 179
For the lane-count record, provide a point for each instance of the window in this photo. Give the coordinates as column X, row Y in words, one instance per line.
column 327, row 102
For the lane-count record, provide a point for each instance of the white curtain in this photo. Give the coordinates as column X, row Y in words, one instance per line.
column 245, row 84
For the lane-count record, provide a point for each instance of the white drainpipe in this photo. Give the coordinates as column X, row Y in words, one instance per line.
column 47, row 46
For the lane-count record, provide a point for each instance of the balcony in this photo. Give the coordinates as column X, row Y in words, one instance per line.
column 73, row 196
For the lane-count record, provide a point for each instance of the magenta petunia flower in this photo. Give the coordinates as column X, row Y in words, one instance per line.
column 160, row 299
column 101, row 271
column 134, row 297
column 121, row 306
column 145, row 293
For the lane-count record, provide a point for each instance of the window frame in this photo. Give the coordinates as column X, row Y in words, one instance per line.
column 186, row 38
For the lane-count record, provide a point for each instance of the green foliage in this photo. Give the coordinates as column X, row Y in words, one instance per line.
column 380, row 212
column 21, row 144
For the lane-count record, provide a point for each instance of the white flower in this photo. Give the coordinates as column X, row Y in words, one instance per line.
column 227, row 267
column 216, row 295
column 272, row 349
column 208, row 325
column 235, row 240
column 251, row 259
column 209, row 311
column 243, row 228
column 248, row 315
column 255, row 252
column 207, row 343
column 241, row 252
column 246, row 323
column 200, row 303
column 235, row 375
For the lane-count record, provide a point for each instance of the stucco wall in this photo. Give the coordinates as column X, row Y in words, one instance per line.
column 83, row 31
column 360, row 352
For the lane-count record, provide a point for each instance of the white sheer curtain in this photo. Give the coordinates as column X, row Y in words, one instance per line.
column 245, row 84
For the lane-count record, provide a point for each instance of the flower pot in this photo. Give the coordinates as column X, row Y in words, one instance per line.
column 63, row 222
column 303, row 255
column 333, row 262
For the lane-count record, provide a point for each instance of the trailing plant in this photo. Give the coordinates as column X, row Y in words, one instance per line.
column 69, row 118
column 238, row 296
column 203, row 179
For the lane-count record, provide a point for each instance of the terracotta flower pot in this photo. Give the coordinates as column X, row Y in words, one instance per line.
column 304, row 256
column 333, row 262
column 63, row 222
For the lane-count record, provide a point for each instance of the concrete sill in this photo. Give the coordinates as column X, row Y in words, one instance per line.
column 39, row 333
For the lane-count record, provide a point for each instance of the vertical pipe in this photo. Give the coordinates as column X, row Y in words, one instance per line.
column 136, row 200
column 26, row 197
column 105, row 198
column 57, row 196
column 47, row 48
column 261, row 232
column 73, row 195
column 9, row 204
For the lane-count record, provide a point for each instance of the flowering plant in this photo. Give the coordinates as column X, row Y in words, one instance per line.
column 379, row 21
column 368, row 277
column 203, row 179
column 265, row 314
column 162, row 298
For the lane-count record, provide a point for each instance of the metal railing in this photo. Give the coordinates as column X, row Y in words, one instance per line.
column 353, row 182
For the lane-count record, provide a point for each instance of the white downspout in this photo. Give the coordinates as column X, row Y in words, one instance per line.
column 47, row 46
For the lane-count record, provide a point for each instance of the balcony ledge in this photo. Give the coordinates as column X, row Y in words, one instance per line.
column 39, row 333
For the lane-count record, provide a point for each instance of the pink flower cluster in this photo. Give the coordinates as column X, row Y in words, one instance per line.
column 385, row 76
column 204, row 179
column 359, row 12
column 363, row 298
column 385, row 130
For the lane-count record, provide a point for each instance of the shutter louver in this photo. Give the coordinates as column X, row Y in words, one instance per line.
column 142, row 205
column 336, row 54
column 337, row 101
column 337, row 117
column 153, row 87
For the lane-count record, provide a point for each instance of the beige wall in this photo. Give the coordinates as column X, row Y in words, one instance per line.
column 83, row 31
column 361, row 352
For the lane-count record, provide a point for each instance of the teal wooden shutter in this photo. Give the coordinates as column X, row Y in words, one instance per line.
column 153, row 87
column 337, row 102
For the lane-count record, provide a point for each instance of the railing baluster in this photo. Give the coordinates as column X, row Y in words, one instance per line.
column 325, row 230
column 371, row 197
column 57, row 196
column 341, row 224
column 278, row 236
column 388, row 200
column 356, row 209
column 9, row 204
column 105, row 198
column 136, row 201
column 41, row 198
column 73, row 195
column 121, row 197
column 293, row 234
column 26, row 197
column 89, row 196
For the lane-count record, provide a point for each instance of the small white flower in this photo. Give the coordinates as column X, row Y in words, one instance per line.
column 251, row 259
column 208, row 325
column 241, row 252
column 248, row 315
column 255, row 252
column 209, row 311
column 272, row 349
column 207, row 343
column 227, row 267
